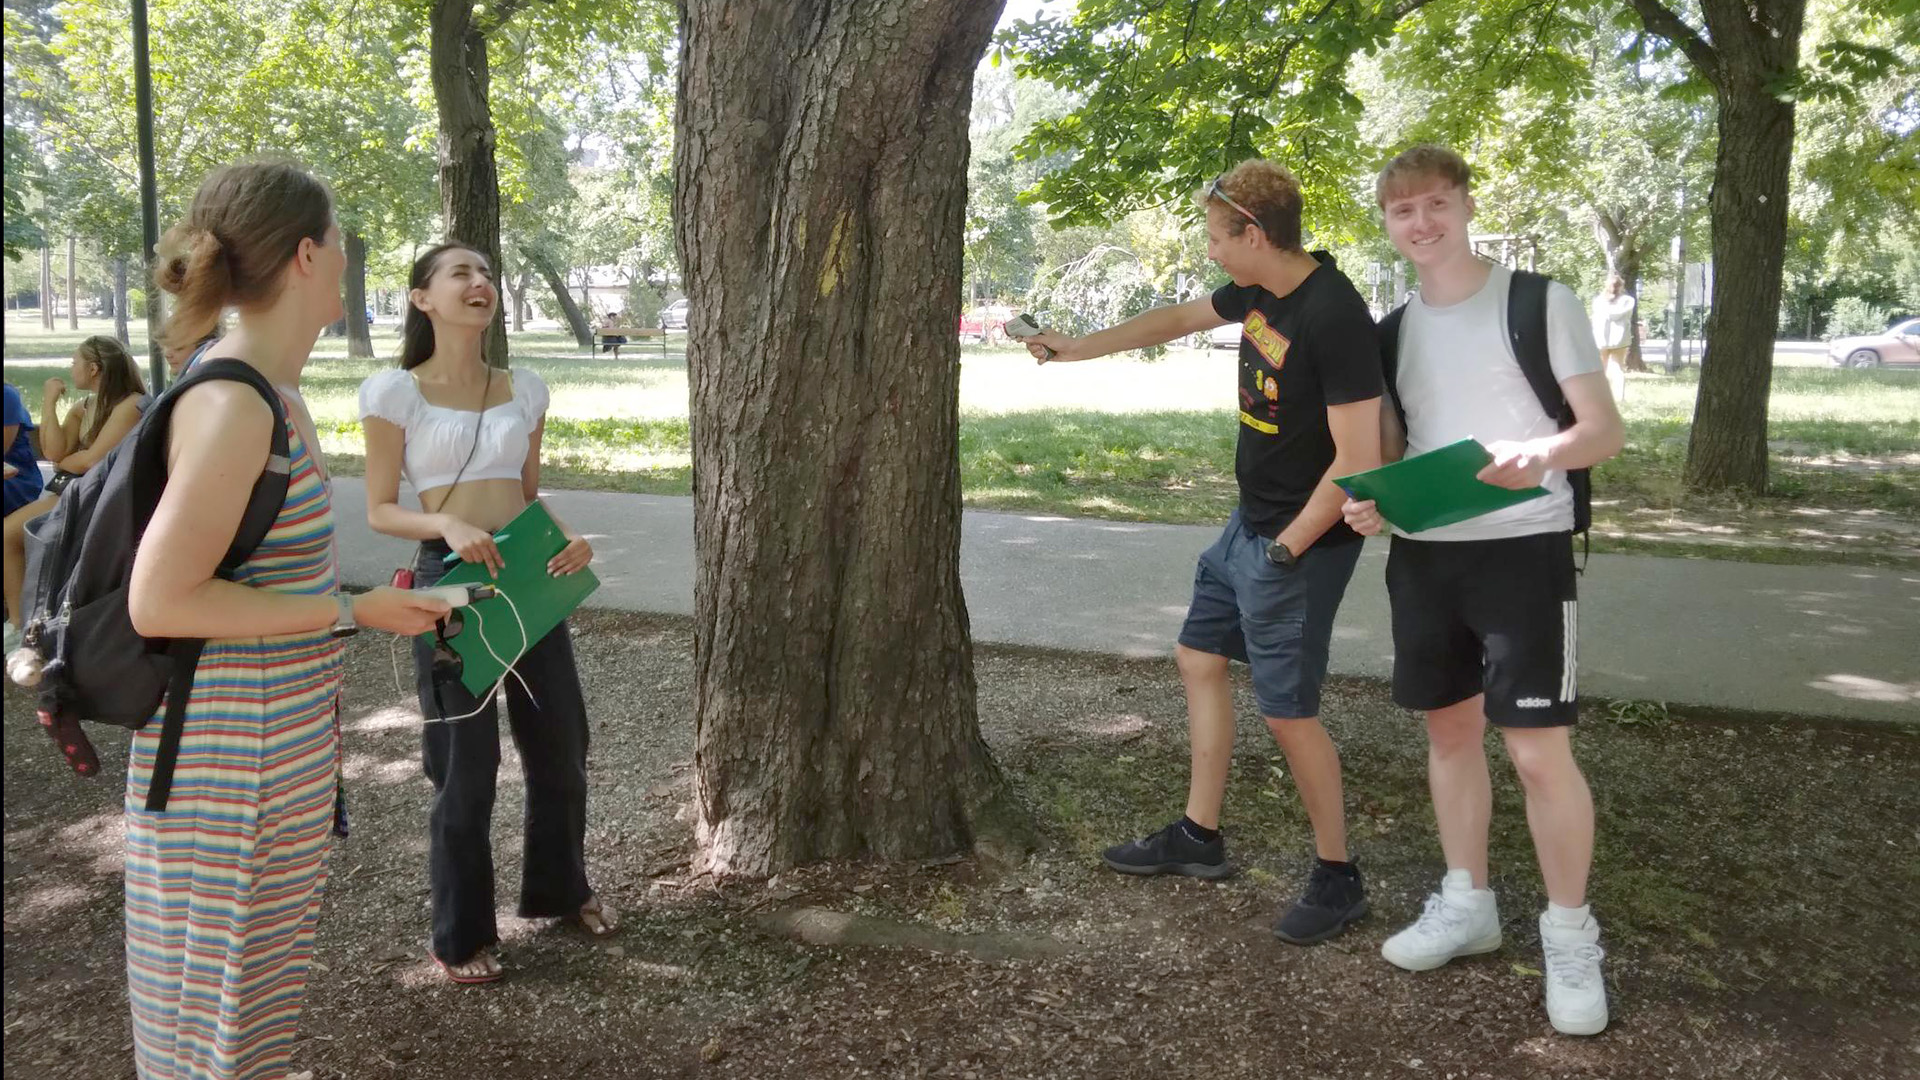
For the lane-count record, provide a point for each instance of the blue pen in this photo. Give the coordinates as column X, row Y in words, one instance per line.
column 452, row 555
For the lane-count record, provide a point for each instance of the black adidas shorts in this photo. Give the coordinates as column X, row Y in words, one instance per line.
column 1486, row 616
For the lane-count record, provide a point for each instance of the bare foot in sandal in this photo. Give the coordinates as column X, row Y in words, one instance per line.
column 482, row 967
column 597, row 917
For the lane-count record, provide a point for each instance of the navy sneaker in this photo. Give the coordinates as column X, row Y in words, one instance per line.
column 1170, row 851
column 1333, row 899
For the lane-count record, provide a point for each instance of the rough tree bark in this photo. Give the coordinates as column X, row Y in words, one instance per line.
column 359, row 334
column 469, row 178
column 556, row 280
column 517, row 299
column 1753, row 56
column 820, row 186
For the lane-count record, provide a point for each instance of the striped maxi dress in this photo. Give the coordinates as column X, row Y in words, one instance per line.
column 224, row 885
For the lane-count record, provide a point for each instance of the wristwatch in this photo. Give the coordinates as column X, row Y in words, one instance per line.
column 1281, row 555
column 343, row 624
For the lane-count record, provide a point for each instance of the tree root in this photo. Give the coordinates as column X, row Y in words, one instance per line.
column 820, row 926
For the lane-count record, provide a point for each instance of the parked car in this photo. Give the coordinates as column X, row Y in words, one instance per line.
column 986, row 323
column 1225, row 337
column 1898, row 344
column 674, row 315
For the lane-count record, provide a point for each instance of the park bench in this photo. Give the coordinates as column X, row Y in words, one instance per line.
column 633, row 334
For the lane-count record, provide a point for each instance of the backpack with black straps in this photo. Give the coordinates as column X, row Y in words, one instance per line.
column 1527, row 333
column 81, row 652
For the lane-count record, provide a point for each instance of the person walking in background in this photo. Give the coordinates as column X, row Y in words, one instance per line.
column 1613, row 332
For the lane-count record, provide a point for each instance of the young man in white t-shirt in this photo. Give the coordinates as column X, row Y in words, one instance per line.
column 1484, row 617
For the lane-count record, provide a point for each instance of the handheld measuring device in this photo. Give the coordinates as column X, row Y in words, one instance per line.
column 460, row 595
column 1021, row 327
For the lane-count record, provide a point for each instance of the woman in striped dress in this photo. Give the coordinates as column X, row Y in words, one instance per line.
column 224, row 883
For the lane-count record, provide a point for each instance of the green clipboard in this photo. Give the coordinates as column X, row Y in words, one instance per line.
column 1435, row 488
column 541, row 599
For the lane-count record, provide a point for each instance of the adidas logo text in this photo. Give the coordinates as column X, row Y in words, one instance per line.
column 1533, row 703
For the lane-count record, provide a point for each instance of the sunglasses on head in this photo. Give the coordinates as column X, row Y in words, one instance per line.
column 1214, row 192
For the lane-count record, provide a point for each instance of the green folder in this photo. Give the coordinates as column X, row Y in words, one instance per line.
column 541, row 600
column 1435, row 488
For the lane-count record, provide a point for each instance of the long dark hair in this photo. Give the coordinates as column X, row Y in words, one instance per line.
column 416, row 330
column 119, row 379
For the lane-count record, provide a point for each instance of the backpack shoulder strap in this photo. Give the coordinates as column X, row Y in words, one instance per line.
column 1389, row 331
column 263, row 508
column 270, row 491
column 1527, row 333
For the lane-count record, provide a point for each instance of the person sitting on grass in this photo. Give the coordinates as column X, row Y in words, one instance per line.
column 74, row 442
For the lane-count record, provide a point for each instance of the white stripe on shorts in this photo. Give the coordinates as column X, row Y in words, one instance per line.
column 1569, row 647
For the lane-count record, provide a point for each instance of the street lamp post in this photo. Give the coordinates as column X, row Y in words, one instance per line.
column 149, row 191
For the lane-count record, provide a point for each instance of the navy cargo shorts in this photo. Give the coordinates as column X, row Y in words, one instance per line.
column 1277, row 620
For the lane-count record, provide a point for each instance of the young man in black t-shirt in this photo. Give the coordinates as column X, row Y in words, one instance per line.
column 1267, row 590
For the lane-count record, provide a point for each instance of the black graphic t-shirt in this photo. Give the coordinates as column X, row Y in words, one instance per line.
column 1299, row 354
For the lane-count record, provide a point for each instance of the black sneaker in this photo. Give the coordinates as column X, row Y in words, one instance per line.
column 1332, row 900
column 1170, row 851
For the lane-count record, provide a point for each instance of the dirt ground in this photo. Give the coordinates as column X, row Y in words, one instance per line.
column 1755, row 877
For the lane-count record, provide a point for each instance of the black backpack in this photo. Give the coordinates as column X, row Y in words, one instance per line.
column 1527, row 333
column 90, row 662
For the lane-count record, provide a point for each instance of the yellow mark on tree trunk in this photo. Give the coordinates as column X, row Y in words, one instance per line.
column 839, row 253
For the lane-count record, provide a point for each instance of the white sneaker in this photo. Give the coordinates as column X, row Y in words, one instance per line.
column 1576, row 994
column 1459, row 920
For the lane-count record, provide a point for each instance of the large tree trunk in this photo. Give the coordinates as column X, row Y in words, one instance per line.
column 46, row 288
column 1759, row 46
column 469, row 179
column 359, row 334
column 518, row 287
column 556, row 280
column 120, row 301
column 820, row 187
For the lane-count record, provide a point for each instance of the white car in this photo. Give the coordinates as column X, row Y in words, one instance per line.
column 1898, row 344
column 1225, row 337
column 674, row 315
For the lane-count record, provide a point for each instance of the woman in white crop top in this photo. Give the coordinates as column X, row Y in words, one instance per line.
column 467, row 437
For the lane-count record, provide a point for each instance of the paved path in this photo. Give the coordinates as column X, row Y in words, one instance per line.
column 1824, row 640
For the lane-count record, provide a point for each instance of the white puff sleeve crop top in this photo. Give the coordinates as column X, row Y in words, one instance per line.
column 439, row 438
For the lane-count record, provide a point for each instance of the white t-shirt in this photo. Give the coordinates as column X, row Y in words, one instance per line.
column 1458, row 379
column 1612, row 320
column 493, row 444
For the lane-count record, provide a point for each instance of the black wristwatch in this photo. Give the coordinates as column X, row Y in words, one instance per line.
column 1281, row 555
column 343, row 623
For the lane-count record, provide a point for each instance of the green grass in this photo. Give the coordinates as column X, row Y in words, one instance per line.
column 1151, row 441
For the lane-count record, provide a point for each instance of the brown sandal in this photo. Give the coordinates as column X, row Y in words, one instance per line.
column 487, row 975
column 596, row 918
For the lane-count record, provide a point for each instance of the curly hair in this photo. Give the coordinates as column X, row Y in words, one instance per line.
column 1268, row 191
